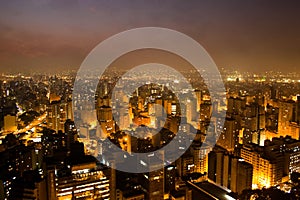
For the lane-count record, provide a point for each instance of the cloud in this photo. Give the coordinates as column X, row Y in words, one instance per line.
column 248, row 33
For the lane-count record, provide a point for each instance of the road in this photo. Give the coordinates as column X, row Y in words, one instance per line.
column 33, row 124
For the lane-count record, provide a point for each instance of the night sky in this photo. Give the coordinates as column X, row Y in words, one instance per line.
column 249, row 35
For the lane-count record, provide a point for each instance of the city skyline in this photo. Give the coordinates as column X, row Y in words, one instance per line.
column 149, row 100
column 43, row 143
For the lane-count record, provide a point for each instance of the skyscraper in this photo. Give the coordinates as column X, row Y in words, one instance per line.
column 57, row 114
column 229, row 171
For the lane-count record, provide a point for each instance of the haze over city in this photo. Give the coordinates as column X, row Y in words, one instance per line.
column 250, row 35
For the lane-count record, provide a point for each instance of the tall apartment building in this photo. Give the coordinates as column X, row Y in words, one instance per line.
column 57, row 114
column 79, row 180
column 229, row 171
column 267, row 165
column 273, row 161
